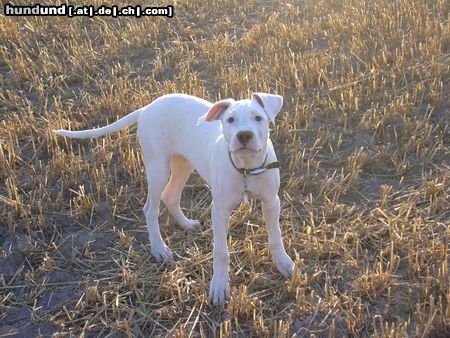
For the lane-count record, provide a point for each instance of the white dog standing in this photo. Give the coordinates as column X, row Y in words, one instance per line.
column 235, row 156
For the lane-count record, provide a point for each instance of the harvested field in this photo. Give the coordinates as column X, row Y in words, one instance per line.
column 364, row 145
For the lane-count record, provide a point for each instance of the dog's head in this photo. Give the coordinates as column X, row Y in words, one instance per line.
column 245, row 123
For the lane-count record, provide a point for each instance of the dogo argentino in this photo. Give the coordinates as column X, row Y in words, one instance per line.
column 228, row 144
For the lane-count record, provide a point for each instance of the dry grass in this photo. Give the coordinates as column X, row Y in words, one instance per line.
column 363, row 140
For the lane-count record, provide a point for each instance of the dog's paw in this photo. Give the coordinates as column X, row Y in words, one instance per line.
column 162, row 253
column 284, row 264
column 218, row 290
column 191, row 225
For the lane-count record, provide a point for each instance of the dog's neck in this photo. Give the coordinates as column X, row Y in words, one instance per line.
column 249, row 161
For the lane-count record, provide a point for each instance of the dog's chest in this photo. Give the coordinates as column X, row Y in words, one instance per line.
column 252, row 186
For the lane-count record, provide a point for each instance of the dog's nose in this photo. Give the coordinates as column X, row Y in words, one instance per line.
column 244, row 136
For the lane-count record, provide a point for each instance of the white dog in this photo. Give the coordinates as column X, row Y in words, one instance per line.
column 228, row 144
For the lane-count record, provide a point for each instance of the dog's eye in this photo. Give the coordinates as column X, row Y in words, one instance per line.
column 258, row 118
column 230, row 120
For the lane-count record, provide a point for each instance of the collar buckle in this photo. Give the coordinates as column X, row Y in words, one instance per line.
column 257, row 171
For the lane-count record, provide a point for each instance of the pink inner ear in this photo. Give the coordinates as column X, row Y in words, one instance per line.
column 216, row 110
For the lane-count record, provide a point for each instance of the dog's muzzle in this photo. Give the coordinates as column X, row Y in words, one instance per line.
column 244, row 137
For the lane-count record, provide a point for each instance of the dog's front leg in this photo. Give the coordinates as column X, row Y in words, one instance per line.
column 271, row 213
column 219, row 291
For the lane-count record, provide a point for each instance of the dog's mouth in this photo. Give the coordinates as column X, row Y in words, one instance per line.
column 246, row 151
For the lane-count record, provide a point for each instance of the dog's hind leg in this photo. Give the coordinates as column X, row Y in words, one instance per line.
column 180, row 170
column 157, row 175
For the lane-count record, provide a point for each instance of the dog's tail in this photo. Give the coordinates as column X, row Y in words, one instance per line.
column 119, row 124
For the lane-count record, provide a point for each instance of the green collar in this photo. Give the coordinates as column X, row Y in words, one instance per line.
column 255, row 171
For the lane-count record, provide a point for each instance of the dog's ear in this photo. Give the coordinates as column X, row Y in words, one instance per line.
column 271, row 103
column 215, row 112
